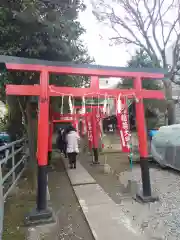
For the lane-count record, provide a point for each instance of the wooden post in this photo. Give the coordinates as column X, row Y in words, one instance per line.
column 146, row 195
column 1, row 205
column 42, row 213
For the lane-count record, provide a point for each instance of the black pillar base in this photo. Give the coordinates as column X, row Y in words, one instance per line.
column 36, row 217
column 146, row 195
column 50, row 166
column 42, row 188
column 146, row 199
column 42, row 214
column 95, row 156
column 49, row 158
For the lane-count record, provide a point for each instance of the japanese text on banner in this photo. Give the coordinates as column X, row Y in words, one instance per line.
column 89, row 131
column 123, row 126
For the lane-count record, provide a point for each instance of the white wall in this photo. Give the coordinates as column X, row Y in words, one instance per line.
column 175, row 87
column 3, row 109
column 109, row 82
column 169, row 56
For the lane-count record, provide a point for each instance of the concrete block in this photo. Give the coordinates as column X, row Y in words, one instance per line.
column 91, row 194
column 107, row 221
column 78, row 176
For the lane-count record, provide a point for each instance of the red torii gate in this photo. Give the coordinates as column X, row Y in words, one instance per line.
column 44, row 91
column 59, row 117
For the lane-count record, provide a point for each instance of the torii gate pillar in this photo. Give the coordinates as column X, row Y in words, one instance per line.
column 42, row 214
column 95, row 87
column 146, row 195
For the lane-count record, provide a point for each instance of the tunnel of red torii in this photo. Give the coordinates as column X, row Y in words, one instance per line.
column 75, row 118
column 44, row 91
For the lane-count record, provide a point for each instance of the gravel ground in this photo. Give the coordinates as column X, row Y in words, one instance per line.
column 160, row 220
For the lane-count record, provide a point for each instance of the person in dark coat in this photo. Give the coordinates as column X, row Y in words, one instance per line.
column 59, row 141
column 64, row 143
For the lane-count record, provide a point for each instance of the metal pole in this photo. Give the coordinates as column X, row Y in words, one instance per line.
column 95, row 137
column 13, row 164
column 1, row 204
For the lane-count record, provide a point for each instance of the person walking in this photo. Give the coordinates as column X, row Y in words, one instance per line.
column 59, row 141
column 72, row 139
column 64, row 143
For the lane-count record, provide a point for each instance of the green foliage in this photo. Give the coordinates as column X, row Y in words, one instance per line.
column 142, row 60
column 3, row 123
column 3, row 120
column 43, row 29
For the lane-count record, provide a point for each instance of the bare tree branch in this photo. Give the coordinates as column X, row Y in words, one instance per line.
column 161, row 22
column 172, row 29
column 140, row 23
column 152, row 13
column 169, row 7
column 121, row 39
column 125, row 26
column 147, row 23
column 176, row 52
column 153, row 22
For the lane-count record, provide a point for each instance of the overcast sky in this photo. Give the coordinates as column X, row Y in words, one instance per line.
column 99, row 48
column 115, row 55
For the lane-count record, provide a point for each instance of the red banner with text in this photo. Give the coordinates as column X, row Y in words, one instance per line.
column 123, row 124
column 89, row 130
column 98, row 122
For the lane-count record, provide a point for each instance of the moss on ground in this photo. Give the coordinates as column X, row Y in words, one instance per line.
column 16, row 207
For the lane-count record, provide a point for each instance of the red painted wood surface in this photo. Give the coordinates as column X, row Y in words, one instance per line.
column 123, row 126
column 43, row 120
column 78, row 92
column 83, row 71
column 89, row 130
column 140, row 122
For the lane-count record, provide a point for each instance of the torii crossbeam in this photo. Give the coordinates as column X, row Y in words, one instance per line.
column 45, row 91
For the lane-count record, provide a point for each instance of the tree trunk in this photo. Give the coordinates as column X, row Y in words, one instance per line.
column 170, row 103
column 15, row 126
column 171, row 113
column 32, row 139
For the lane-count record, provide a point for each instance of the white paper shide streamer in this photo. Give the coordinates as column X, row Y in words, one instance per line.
column 108, row 106
column 83, row 105
column 62, row 103
column 119, row 104
column 105, row 105
column 70, row 105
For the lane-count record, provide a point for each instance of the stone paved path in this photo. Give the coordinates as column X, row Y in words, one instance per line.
column 105, row 218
